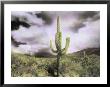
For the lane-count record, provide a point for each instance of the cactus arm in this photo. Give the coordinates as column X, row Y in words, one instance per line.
column 53, row 50
column 64, row 50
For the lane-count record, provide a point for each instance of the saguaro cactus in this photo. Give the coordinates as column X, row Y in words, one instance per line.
column 58, row 42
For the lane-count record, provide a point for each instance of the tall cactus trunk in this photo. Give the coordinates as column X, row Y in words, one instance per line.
column 58, row 64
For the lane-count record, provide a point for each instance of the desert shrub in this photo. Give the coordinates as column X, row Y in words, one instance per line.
column 70, row 66
column 91, row 66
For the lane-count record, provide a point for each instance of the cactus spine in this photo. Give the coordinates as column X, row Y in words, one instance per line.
column 58, row 43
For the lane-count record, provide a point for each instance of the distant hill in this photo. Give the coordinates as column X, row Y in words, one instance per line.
column 88, row 51
column 44, row 54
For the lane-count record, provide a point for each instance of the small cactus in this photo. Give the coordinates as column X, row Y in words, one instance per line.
column 85, row 60
column 58, row 43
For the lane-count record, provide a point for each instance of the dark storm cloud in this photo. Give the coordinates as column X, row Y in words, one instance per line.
column 96, row 17
column 88, row 14
column 15, row 43
column 85, row 17
column 44, row 16
column 77, row 26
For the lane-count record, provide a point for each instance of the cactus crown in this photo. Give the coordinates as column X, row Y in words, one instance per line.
column 58, row 24
column 58, row 41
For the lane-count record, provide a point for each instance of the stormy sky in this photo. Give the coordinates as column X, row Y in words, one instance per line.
column 36, row 29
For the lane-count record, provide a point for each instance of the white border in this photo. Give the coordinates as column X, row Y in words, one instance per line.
column 55, row 80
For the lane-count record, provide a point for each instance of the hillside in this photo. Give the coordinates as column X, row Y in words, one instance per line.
column 89, row 51
column 71, row 65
